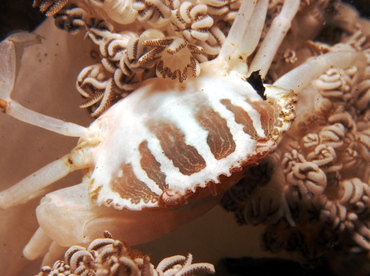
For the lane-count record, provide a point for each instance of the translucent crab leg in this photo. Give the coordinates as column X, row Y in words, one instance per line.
column 279, row 27
column 32, row 185
column 37, row 246
column 301, row 76
column 252, row 34
column 237, row 30
column 11, row 50
column 26, row 115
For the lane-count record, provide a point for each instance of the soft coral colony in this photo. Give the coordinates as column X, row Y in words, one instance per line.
column 141, row 40
column 313, row 192
column 109, row 257
column 193, row 119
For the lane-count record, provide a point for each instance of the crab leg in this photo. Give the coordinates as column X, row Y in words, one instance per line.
column 38, row 245
column 279, row 27
column 252, row 34
column 26, row 115
column 33, row 185
column 301, row 76
column 11, row 53
column 237, row 30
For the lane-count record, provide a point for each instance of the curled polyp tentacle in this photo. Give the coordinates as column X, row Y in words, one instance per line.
column 192, row 21
column 363, row 145
column 113, row 45
column 120, row 11
column 358, row 40
column 211, row 47
column 325, row 157
column 127, row 83
column 82, row 259
column 181, row 266
column 246, row 198
column 336, row 214
column 335, row 83
column 111, row 257
column 59, row 268
column 98, row 244
column 362, row 94
column 265, row 206
column 225, row 8
column 217, row 7
column 350, row 157
column 141, row 53
column 308, row 178
column 109, row 250
column 290, row 159
column 69, row 253
column 362, row 234
column 92, row 80
column 351, row 191
column 177, row 59
column 98, row 29
column 98, row 87
column 310, row 140
column 168, row 263
column 71, row 18
column 50, row 7
column 155, row 12
column 333, row 135
column 129, row 265
column 114, row 49
column 345, row 118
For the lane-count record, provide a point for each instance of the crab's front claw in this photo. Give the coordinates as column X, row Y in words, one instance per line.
column 11, row 50
column 69, row 217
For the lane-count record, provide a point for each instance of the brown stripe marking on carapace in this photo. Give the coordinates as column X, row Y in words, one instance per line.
column 129, row 187
column 185, row 157
column 151, row 166
column 241, row 117
column 267, row 115
column 219, row 138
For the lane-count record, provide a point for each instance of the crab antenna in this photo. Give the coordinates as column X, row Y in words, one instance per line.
column 301, row 76
column 269, row 46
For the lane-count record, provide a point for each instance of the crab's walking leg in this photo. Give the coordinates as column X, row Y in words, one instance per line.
column 11, row 50
column 279, row 27
column 301, row 76
column 38, row 245
column 237, row 30
column 26, row 115
column 32, row 185
column 42, row 245
column 245, row 34
column 252, row 34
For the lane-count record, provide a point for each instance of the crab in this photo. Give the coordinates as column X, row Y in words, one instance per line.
column 168, row 151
